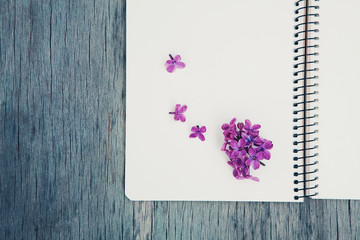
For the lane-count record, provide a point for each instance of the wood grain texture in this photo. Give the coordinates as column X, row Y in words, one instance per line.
column 62, row 139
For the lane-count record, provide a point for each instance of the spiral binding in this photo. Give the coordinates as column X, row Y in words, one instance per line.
column 305, row 98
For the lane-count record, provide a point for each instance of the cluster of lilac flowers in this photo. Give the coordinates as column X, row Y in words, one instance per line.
column 245, row 148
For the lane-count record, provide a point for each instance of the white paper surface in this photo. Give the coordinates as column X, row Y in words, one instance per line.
column 339, row 110
column 238, row 57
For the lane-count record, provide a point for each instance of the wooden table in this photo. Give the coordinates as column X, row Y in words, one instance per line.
column 62, row 132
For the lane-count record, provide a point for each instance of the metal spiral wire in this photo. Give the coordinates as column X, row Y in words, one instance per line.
column 305, row 98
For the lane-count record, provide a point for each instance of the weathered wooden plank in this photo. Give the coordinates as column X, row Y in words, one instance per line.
column 62, row 144
column 62, row 141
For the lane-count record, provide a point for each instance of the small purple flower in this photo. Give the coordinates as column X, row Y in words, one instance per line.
column 248, row 140
column 174, row 63
column 264, row 148
column 198, row 132
column 179, row 113
column 246, row 174
column 251, row 129
column 230, row 130
column 243, row 173
column 236, row 147
column 240, row 125
column 254, row 158
column 231, row 126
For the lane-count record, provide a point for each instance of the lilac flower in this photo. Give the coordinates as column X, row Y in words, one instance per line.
column 179, row 113
column 244, row 148
column 246, row 174
column 240, row 169
column 265, row 146
column 243, row 173
column 247, row 140
column 198, row 132
column 231, row 126
column 236, row 164
column 174, row 63
column 254, row 158
column 236, row 147
column 229, row 134
column 240, row 125
column 251, row 129
column 230, row 130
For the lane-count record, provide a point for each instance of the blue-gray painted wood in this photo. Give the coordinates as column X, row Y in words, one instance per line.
column 62, row 119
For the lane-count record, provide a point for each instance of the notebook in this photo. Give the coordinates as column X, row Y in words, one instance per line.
column 289, row 66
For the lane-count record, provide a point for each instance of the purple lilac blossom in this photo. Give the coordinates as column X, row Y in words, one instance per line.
column 251, row 129
column 174, row 63
column 198, row 132
column 254, row 158
column 245, row 148
column 264, row 147
column 179, row 112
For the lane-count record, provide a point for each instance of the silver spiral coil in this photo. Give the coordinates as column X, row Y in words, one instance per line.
column 305, row 98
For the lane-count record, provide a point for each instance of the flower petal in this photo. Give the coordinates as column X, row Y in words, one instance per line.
column 171, row 68
column 228, row 153
column 177, row 58
column 225, row 126
column 257, row 141
column 268, row 145
column 243, row 153
column 259, row 156
column 254, row 178
column 183, row 109
column 177, row 117
column 244, row 135
column 246, row 171
column 267, row 154
column 239, row 162
column 182, row 117
column 193, row 135
column 242, row 143
column 231, row 164
column 177, row 107
column 194, row 129
column 223, row 148
column 180, row 65
column 201, row 136
column 256, row 164
column 248, row 162
column 247, row 123
column 235, row 173
column 252, row 152
column 234, row 154
column 202, row 129
column 168, row 63
column 234, row 144
column 255, row 126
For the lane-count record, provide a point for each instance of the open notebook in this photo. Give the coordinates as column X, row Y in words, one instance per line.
column 243, row 59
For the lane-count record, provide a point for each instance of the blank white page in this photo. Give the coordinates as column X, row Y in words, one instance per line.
column 339, row 163
column 238, row 56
